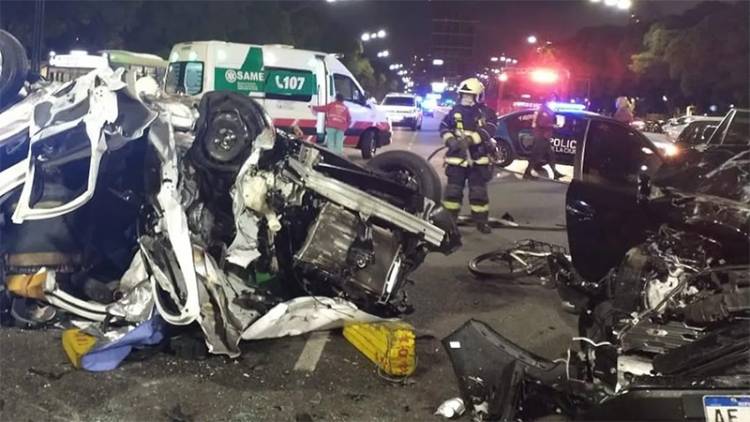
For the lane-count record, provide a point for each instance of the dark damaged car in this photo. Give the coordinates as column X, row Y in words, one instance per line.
column 660, row 276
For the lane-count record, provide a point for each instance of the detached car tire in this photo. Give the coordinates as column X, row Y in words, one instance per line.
column 368, row 144
column 14, row 67
column 410, row 169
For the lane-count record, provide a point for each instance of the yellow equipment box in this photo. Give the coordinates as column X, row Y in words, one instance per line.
column 389, row 344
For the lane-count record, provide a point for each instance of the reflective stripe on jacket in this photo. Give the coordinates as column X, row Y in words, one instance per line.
column 469, row 123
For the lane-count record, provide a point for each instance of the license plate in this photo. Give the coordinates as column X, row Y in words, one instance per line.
column 396, row 118
column 727, row 408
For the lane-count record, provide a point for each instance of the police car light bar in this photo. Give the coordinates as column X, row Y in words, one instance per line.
column 560, row 106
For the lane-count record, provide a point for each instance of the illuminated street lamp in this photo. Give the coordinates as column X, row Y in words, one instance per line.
column 503, row 58
column 382, row 33
column 438, row 62
column 515, row 61
column 531, row 39
column 624, row 4
column 365, row 37
column 610, row 2
column 493, row 59
column 384, row 53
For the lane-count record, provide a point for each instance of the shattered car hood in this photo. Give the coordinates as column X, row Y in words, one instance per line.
column 710, row 190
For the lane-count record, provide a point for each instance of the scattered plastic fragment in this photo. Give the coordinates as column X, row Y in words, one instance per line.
column 76, row 343
column 451, row 408
column 109, row 355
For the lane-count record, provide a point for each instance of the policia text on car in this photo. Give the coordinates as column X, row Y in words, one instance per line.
column 467, row 131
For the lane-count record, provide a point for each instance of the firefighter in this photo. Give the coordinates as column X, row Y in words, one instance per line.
column 542, row 126
column 467, row 135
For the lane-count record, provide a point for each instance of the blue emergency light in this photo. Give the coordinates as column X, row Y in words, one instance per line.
column 560, row 106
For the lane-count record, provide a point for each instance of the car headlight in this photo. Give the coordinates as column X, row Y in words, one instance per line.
column 671, row 150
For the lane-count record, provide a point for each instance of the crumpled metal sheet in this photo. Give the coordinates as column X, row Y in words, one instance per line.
column 16, row 119
column 90, row 100
column 222, row 319
column 305, row 314
column 137, row 302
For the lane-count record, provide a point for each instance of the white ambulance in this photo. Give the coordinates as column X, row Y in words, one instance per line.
column 285, row 80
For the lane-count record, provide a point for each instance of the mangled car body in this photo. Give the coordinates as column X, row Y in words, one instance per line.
column 114, row 209
column 660, row 275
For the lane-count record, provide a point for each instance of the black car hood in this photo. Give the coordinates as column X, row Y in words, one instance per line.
column 709, row 192
column 720, row 173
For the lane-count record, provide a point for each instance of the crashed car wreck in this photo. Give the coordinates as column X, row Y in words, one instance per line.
column 119, row 207
column 660, row 276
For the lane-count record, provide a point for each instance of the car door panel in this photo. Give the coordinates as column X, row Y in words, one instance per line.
column 603, row 217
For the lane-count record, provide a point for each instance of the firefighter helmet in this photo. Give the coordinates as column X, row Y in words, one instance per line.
column 471, row 86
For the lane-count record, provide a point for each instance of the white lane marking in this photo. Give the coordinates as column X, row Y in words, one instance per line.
column 310, row 355
column 412, row 139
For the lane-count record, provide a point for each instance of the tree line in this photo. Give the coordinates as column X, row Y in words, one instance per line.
column 699, row 57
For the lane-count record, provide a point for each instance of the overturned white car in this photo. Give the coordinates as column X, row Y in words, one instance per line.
column 117, row 206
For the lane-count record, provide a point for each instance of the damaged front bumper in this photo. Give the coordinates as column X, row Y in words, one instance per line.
column 501, row 381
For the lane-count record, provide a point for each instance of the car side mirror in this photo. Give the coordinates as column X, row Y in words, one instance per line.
column 644, row 188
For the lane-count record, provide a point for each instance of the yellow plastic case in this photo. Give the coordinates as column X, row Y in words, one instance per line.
column 390, row 345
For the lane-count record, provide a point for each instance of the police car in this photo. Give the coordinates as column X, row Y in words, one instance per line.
column 515, row 138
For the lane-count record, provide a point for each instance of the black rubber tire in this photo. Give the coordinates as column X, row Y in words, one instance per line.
column 367, row 144
column 505, row 152
column 14, row 67
column 425, row 176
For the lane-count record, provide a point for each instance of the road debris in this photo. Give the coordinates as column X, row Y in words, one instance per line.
column 451, row 408
column 390, row 345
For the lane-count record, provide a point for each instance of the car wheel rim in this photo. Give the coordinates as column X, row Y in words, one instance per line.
column 502, row 153
column 406, row 178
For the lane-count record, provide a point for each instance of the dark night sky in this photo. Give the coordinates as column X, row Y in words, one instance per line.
column 503, row 24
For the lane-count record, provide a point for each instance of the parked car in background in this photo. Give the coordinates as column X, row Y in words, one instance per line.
column 673, row 128
column 696, row 133
column 403, row 110
column 733, row 132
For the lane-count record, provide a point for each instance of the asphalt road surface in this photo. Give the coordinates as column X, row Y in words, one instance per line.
column 38, row 383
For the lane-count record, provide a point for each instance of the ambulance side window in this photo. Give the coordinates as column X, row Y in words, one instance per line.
column 345, row 86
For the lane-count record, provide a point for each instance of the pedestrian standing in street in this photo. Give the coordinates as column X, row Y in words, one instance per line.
column 624, row 110
column 467, row 136
column 338, row 121
column 542, row 127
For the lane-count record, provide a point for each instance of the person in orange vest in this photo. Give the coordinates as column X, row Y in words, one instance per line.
column 338, row 121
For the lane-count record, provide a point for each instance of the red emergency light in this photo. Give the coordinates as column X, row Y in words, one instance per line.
column 544, row 76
